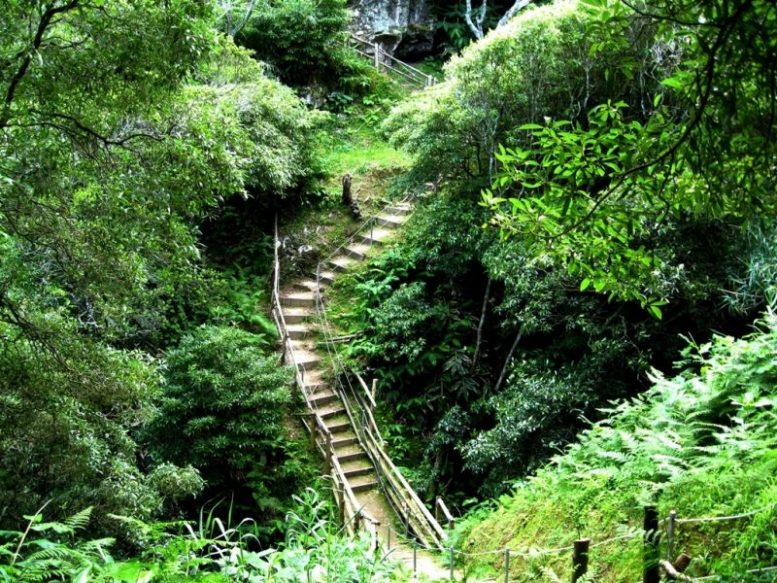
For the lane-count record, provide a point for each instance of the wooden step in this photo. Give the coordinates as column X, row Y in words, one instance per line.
column 315, row 385
column 319, row 398
column 297, row 315
column 363, row 483
column 357, row 250
column 299, row 299
column 352, row 453
column 310, row 360
column 340, row 442
column 399, row 209
column 326, row 277
column 342, row 262
column 337, row 425
column 357, row 468
column 391, row 221
column 331, row 410
column 297, row 331
column 377, row 236
column 307, row 285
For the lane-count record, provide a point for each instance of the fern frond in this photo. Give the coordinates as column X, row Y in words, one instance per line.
column 80, row 519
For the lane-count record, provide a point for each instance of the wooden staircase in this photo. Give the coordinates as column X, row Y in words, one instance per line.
column 298, row 304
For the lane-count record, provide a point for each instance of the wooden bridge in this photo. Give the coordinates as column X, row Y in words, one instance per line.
column 372, row 495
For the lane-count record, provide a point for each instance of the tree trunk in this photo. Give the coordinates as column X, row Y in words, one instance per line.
column 514, row 9
column 482, row 322
column 476, row 24
column 506, row 366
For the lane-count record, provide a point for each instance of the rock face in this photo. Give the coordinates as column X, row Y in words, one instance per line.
column 404, row 27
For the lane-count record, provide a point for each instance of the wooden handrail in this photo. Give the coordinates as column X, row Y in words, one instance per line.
column 414, row 74
column 356, row 517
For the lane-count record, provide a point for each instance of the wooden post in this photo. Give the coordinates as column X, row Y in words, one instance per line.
column 415, row 561
column 377, row 56
column 670, row 536
column 313, row 429
column 328, row 453
column 374, row 389
column 580, row 559
column 388, row 537
column 651, row 572
column 507, row 565
column 406, row 517
column 347, row 196
column 452, row 561
column 341, row 508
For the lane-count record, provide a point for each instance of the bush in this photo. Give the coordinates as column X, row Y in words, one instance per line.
column 223, row 411
column 304, row 42
column 702, row 443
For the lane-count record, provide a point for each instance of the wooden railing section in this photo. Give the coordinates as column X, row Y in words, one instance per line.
column 385, row 61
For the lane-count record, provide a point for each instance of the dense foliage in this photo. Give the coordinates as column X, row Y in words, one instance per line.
column 701, row 442
column 494, row 349
column 222, row 411
column 206, row 551
column 305, row 42
column 599, row 181
column 122, row 126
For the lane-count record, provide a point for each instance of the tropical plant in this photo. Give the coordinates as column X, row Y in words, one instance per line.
column 223, row 411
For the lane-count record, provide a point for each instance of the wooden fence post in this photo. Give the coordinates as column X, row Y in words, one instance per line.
column 580, row 559
column 651, row 573
column 328, row 453
column 313, row 430
column 670, row 536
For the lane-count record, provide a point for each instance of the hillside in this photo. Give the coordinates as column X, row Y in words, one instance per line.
column 530, row 277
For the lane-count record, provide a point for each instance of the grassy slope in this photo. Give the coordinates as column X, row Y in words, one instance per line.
column 702, row 443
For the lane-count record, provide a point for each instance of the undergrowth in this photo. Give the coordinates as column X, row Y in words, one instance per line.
column 208, row 550
column 702, row 443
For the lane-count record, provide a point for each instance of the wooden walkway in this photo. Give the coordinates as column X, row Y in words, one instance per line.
column 363, row 490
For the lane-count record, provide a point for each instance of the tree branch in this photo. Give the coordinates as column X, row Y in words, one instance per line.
column 43, row 25
column 514, row 9
column 476, row 28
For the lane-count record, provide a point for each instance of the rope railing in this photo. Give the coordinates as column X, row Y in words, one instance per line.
column 649, row 540
column 382, row 59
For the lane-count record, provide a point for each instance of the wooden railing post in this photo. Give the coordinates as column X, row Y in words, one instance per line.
column 651, row 573
column 328, row 453
column 580, row 559
column 670, row 535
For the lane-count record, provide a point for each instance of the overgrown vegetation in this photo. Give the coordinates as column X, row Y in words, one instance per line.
column 701, row 442
column 594, row 185
column 124, row 127
column 210, row 550
column 494, row 349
